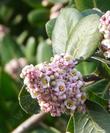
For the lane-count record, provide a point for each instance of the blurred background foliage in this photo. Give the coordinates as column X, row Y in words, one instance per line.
column 23, row 36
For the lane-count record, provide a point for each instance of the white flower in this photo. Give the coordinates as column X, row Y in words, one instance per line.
column 60, row 87
column 107, row 54
column 70, row 104
column 33, row 93
column 106, row 43
column 45, row 81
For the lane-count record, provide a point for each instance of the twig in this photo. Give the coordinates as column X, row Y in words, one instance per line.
column 92, row 77
column 26, row 125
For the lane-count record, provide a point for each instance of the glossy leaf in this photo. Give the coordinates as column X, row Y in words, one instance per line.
column 105, row 61
column 95, row 98
column 5, row 12
column 50, row 26
column 86, row 4
column 92, row 11
column 63, row 28
column 28, row 104
column 104, row 66
column 30, row 49
column 98, row 92
column 58, row 1
column 33, row 3
column 104, row 6
column 44, row 52
column 45, row 129
column 105, row 70
column 86, row 67
column 70, row 125
column 85, row 124
column 99, row 115
column 83, row 4
column 38, row 17
column 85, row 38
column 8, row 88
column 11, row 48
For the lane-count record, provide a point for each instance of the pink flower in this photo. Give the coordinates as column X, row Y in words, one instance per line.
column 104, row 28
column 56, row 86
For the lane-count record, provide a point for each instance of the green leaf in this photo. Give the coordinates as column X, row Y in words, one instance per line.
column 58, row 1
column 9, row 49
column 85, row 124
column 30, row 49
column 8, row 88
column 70, row 125
column 86, row 4
column 99, row 115
column 85, row 38
column 104, row 68
column 38, row 17
column 83, row 4
column 33, row 3
column 104, row 6
column 50, row 26
column 45, row 129
column 28, row 104
column 94, row 97
column 5, row 13
column 86, row 67
column 101, row 60
column 92, row 11
column 63, row 28
column 98, row 91
column 44, row 52
column 22, row 37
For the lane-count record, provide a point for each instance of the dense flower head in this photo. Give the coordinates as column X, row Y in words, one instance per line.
column 104, row 28
column 57, row 86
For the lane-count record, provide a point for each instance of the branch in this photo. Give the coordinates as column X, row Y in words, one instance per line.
column 33, row 120
column 89, row 78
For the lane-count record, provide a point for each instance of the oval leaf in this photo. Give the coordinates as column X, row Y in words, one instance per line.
column 9, row 49
column 70, row 125
column 64, row 25
column 83, row 4
column 50, row 26
column 85, row 124
column 104, row 68
column 100, row 116
column 28, row 104
column 44, row 51
column 85, row 38
column 92, row 11
column 100, row 89
column 38, row 17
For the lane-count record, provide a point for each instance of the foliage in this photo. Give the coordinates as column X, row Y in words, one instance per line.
column 23, row 28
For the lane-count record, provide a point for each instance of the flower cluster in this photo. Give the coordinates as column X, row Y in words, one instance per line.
column 104, row 28
column 14, row 66
column 57, row 86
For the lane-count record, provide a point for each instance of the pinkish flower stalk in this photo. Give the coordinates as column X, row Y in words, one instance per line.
column 56, row 86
